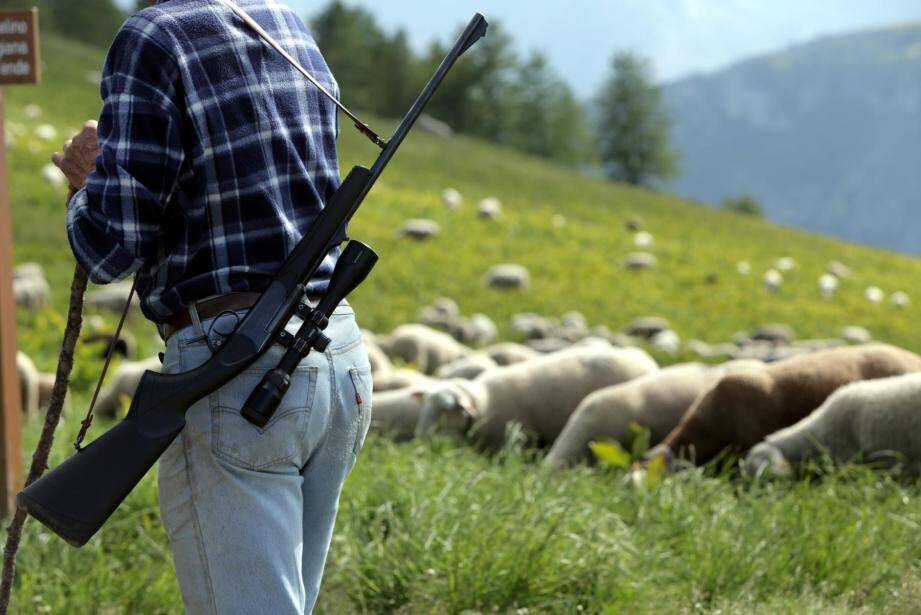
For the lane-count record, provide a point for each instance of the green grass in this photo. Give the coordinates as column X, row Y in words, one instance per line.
column 437, row 528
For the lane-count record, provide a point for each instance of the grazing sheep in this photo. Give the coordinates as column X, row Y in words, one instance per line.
column 468, row 367
column 443, row 313
column 838, row 269
column 773, row 333
column 112, row 297
column 509, row 353
column 539, row 394
column 477, row 330
column 656, row 401
column 709, row 351
column 396, row 412
column 423, row 347
column 638, row 261
column 399, row 378
column 785, row 263
column 451, row 198
column 874, row 294
column 878, row 420
column 418, row 229
column 29, row 384
column 666, row 341
column 531, row 325
column 828, row 285
column 747, row 405
column 647, row 326
column 743, row 267
column 489, row 208
column 124, row 345
column 508, row 276
column 643, row 240
column 856, row 335
column 124, row 382
column 899, row 299
column 772, row 280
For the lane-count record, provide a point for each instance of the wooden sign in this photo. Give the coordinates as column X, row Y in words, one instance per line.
column 20, row 60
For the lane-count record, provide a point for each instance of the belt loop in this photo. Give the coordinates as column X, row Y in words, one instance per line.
column 196, row 321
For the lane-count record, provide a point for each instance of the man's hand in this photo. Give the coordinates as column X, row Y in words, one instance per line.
column 79, row 157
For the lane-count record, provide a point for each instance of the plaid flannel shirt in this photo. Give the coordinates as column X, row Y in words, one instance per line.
column 215, row 155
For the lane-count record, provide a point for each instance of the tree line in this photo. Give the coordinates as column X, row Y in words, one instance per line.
column 495, row 93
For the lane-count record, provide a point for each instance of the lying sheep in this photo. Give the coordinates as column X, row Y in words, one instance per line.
column 508, row 276
column 875, row 420
column 418, row 229
column 656, row 402
column 124, row 383
column 401, row 378
column 29, row 384
column 539, row 394
column 747, row 405
column 508, row 353
column 468, row 367
column 423, row 347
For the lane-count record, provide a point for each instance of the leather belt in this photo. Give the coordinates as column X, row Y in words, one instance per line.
column 209, row 308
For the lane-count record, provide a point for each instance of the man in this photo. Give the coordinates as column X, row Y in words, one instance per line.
column 213, row 157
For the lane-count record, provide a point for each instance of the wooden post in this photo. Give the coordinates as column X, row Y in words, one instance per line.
column 10, row 403
column 19, row 64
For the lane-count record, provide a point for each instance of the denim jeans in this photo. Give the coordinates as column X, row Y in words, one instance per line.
column 249, row 511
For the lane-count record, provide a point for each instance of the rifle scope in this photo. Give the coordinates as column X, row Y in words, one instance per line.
column 353, row 267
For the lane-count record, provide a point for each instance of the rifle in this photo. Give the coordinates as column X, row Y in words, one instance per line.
column 76, row 498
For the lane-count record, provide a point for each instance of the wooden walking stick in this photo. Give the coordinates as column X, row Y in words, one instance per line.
column 52, row 418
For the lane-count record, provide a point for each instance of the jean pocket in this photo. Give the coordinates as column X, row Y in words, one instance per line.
column 281, row 440
column 361, row 381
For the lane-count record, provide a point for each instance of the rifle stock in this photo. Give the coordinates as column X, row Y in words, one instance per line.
column 76, row 498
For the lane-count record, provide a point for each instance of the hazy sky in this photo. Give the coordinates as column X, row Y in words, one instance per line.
column 679, row 36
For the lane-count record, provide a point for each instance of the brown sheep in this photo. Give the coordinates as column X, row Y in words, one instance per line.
column 746, row 406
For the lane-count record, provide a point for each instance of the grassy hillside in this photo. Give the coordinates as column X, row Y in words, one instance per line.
column 440, row 529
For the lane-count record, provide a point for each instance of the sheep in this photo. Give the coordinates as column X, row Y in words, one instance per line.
column 899, row 299
column 489, row 208
column 508, row 276
column 418, row 229
column 396, row 412
column 747, row 405
column 874, row 294
column 32, row 293
column 442, row 314
column 124, row 383
column 380, row 363
column 45, row 388
column 53, row 175
column 547, row 345
column 874, row 419
column 532, row 326
column 838, row 269
column 828, row 285
column 785, row 263
column 451, row 198
column 400, row 378
column 477, row 330
column 46, row 132
column 32, row 111
column 509, row 353
column 743, row 267
column 539, row 394
column 124, row 345
column 423, row 347
column 774, row 333
column 638, row 261
column 558, row 221
column 468, row 367
column 656, row 401
column 113, row 297
column 643, row 240
column 634, row 223
column 855, row 335
column 29, row 384
column 772, row 280
column 647, row 326
column 666, row 341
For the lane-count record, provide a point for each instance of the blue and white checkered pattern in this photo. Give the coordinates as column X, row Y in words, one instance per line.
column 215, row 154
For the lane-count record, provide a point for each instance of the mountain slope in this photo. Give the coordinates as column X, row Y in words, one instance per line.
column 573, row 267
column 827, row 135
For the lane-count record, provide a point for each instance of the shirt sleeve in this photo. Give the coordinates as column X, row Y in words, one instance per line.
column 113, row 223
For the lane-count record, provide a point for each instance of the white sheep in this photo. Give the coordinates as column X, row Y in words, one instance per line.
column 838, row 269
column 773, row 280
column 639, row 261
column 539, row 394
column 489, row 208
column 32, row 111
column 423, row 347
column 400, row 378
column 509, row 353
column 874, row 294
column 656, row 401
column 380, row 363
column 53, row 175
column 468, row 367
column 743, row 267
column 828, row 285
column 785, row 263
column 643, row 240
column 31, row 292
column 899, row 299
column 666, row 341
column 854, row 334
column 124, row 382
column 558, row 221
column 396, row 412
column 451, row 198
column 46, row 132
column 477, row 330
column 418, row 229
column 112, row 297
column 508, row 276
column 872, row 420
column 531, row 325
